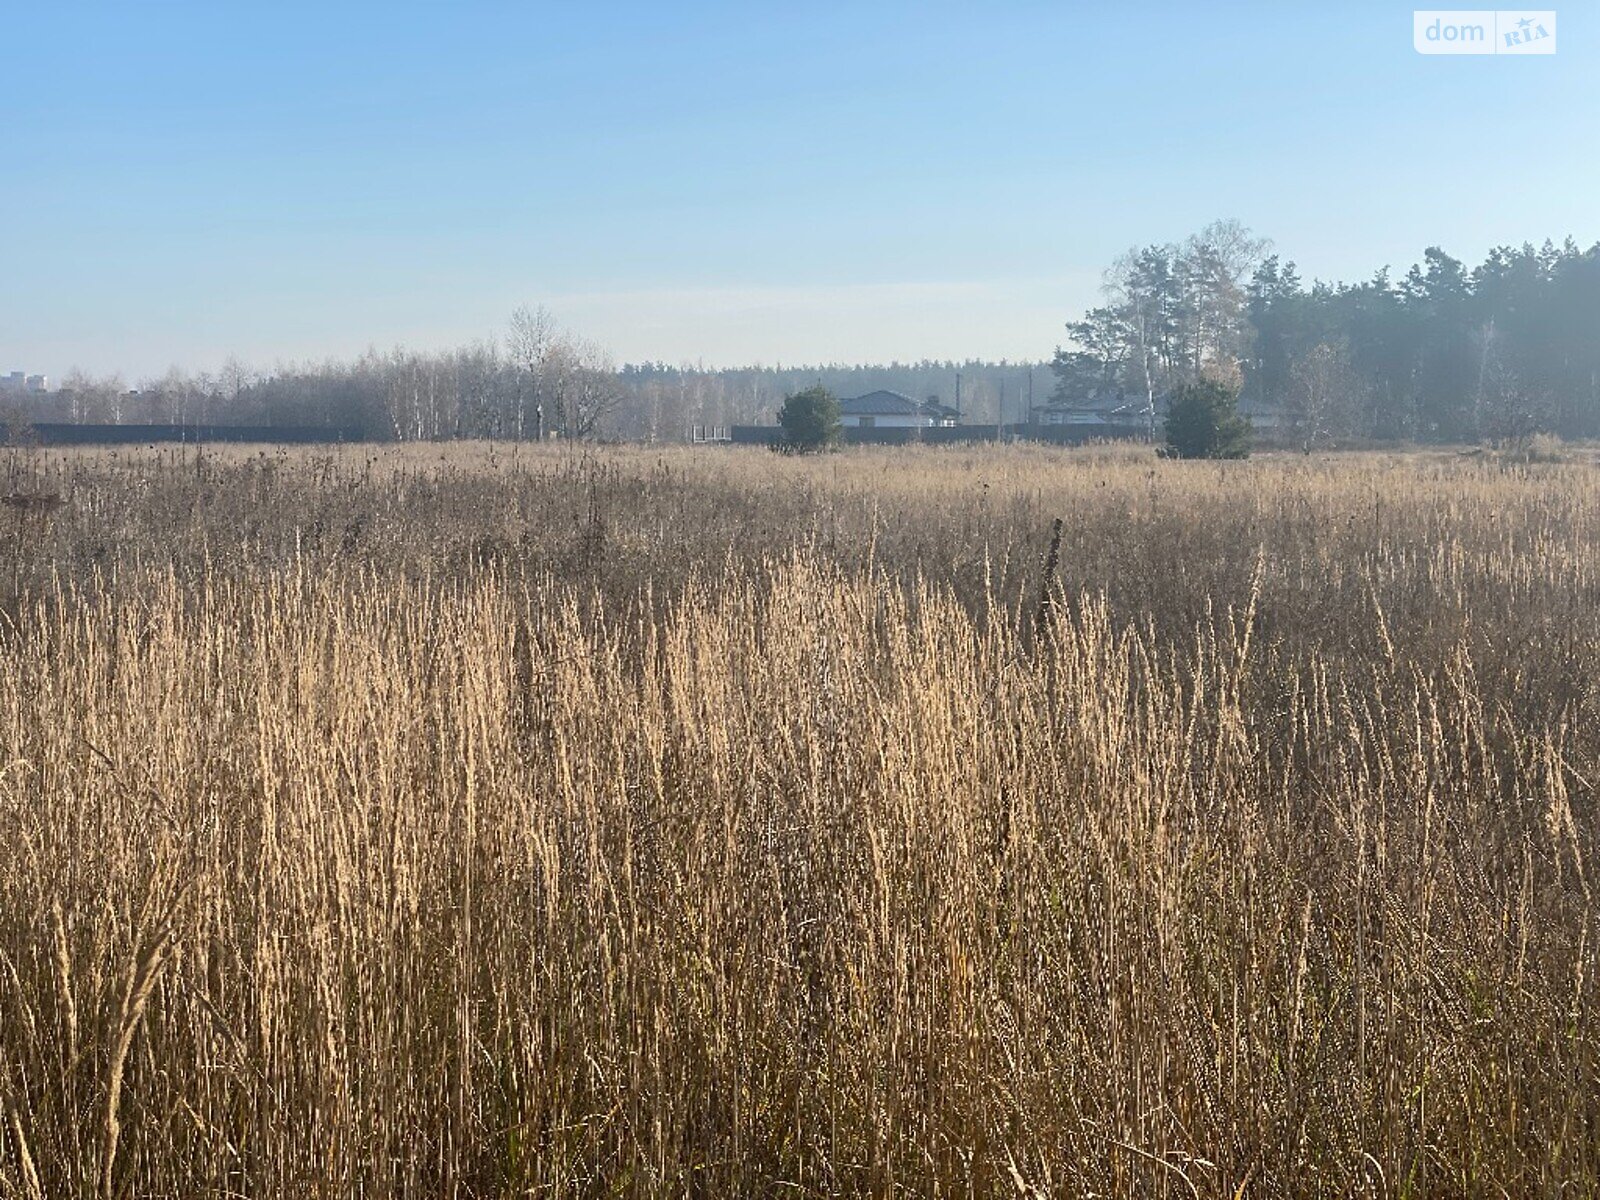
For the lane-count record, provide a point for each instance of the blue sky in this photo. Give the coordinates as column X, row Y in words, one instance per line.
column 727, row 183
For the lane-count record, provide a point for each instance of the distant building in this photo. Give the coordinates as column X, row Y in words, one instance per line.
column 1262, row 414
column 1115, row 410
column 1123, row 411
column 890, row 410
column 21, row 381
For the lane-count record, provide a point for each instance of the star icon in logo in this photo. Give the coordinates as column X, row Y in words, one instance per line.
column 1524, row 23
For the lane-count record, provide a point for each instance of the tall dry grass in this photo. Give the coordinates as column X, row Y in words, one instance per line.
column 669, row 823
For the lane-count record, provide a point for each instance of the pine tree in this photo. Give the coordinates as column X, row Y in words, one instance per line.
column 1203, row 421
column 810, row 421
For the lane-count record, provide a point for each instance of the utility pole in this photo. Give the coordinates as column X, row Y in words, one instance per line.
column 1000, row 412
column 1030, row 395
column 958, row 397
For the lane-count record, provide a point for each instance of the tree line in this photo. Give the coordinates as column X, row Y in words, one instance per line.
column 533, row 380
column 536, row 381
column 1446, row 352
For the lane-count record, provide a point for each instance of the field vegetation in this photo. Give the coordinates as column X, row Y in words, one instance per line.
column 524, row 821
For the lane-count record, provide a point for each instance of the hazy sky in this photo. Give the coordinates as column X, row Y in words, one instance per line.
column 727, row 182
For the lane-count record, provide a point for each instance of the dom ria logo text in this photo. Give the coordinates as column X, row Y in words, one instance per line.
column 1483, row 31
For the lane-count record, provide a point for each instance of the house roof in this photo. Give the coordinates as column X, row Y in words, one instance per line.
column 880, row 403
column 1106, row 408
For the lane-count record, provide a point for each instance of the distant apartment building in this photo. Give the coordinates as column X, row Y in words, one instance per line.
column 21, row 381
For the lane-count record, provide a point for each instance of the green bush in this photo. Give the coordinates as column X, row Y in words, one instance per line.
column 1203, row 421
column 810, row 421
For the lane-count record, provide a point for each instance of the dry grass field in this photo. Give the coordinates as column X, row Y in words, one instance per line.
column 496, row 822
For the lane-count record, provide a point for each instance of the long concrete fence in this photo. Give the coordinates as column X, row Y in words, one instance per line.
column 1059, row 435
column 60, row 434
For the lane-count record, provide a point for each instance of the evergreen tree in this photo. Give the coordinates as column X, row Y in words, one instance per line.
column 1203, row 421
column 1443, row 353
column 810, row 421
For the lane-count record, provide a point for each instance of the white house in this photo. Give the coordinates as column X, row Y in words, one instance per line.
column 890, row 410
column 1108, row 409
